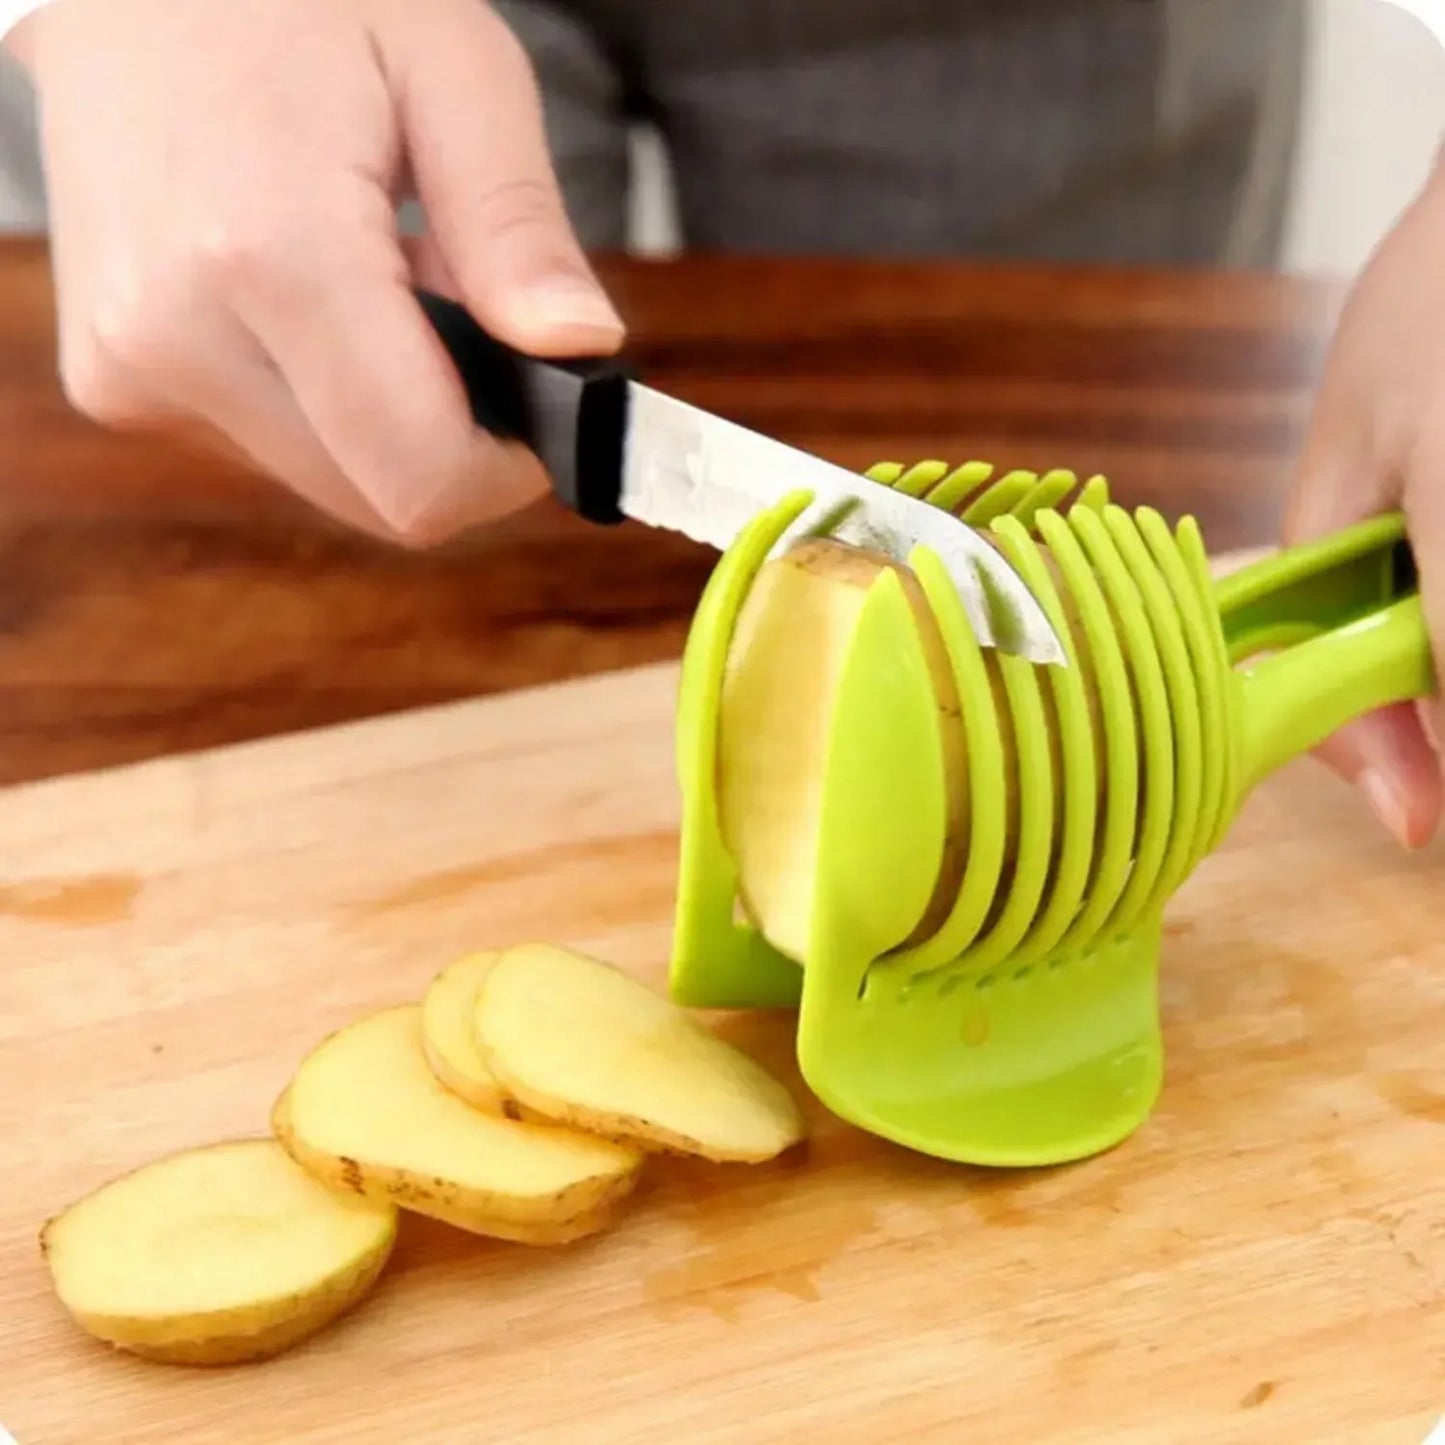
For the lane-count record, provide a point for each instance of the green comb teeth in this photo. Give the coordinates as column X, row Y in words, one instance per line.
column 1024, row 1029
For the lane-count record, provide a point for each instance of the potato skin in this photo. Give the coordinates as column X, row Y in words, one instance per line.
column 448, row 1003
column 561, row 1232
column 680, row 1056
column 243, row 1336
column 624, row 1129
column 490, row 1098
column 562, row 1219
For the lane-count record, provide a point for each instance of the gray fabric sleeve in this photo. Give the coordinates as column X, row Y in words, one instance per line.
column 1157, row 131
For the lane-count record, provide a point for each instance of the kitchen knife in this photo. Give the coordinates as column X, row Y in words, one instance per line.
column 615, row 448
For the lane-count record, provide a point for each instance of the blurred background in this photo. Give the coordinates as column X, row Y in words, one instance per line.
column 1372, row 112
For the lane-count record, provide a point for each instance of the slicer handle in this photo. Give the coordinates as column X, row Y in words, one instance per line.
column 1297, row 699
column 572, row 414
column 1342, row 619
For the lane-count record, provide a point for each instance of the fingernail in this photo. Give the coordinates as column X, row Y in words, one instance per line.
column 574, row 306
column 1386, row 805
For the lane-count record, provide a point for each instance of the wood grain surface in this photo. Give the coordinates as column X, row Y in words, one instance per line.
column 154, row 599
column 1263, row 1262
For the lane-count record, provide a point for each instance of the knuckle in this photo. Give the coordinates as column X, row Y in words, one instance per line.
column 124, row 334
column 232, row 257
column 416, row 537
column 519, row 205
column 95, row 386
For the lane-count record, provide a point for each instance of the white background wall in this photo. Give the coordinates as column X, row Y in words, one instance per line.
column 1374, row 115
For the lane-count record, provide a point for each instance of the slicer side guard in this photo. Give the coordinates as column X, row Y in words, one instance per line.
column 718, row 961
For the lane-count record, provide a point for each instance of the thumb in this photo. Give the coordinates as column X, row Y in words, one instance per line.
column 472, row 119
column 1340, row 480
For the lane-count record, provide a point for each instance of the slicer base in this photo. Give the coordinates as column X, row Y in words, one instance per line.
column 1058, row 1064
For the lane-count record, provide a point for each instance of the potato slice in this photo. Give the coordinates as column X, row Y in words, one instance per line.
column 216, row 1255
column 566, row 1231
column 448, row 1033
column 579, row 1041
column 579, row 1226
column 365, row 1113
column 775, row 716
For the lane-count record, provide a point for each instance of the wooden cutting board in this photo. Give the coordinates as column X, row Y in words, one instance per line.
column 1263, row 1262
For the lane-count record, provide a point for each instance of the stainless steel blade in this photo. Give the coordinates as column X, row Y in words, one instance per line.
column 694, row 473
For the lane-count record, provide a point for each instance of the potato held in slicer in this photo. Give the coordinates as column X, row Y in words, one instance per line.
column 775, row 710
column 774, row 717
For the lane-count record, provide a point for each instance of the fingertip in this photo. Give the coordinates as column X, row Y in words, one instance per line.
column 562, row 317
column 476, row 137
column 1410, row 814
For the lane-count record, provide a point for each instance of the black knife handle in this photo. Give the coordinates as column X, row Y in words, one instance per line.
column 572, row 414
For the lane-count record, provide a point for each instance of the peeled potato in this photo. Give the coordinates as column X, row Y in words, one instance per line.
column 216, row 1255
column 579, row 1041
column 448, row 1017
column 785, row 664
column 775, row 719
column 365, row 1113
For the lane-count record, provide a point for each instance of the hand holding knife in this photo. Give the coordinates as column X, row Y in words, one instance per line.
column 615, row 449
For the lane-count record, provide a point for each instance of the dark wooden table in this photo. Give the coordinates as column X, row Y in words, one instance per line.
column 153, row 600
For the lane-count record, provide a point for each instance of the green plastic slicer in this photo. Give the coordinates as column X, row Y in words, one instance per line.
column 1025, row 1030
